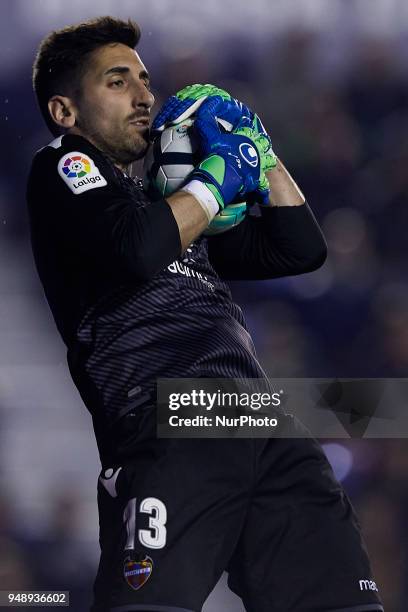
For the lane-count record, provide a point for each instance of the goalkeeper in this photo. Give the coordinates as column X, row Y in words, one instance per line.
column 174, row 513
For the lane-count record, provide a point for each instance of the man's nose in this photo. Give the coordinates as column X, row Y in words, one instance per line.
column 142, row 96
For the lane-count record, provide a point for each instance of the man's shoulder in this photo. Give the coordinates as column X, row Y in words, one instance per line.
column 67, row 141
column 66, row 144
column 74, row 161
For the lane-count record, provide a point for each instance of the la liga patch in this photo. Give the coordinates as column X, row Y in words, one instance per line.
column 79, row 172
column 137, row 573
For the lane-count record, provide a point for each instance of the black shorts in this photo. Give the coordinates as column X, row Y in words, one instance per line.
column 268, row 511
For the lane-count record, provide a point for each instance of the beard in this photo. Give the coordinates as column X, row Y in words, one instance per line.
column 122, row 143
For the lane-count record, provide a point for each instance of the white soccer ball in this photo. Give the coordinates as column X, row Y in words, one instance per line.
column 170, row 159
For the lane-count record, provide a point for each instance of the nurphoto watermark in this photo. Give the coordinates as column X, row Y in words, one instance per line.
column 258, row 407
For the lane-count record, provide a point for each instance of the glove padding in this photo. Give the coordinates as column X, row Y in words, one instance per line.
column 210, row 103
column 185, row 103
column 235, row 163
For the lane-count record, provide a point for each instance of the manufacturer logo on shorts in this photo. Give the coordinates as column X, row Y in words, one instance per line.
column 108, row 480
column 249, row 153
column 367, row 585
column 137, row 573
column 79, row 172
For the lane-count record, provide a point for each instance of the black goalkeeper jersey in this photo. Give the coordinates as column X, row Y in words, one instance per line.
column 129, row 305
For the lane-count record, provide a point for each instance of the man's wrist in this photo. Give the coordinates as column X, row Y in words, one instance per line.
column 204, row 197
column 283, row 190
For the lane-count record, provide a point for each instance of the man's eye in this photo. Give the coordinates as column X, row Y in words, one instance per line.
column 117, row 83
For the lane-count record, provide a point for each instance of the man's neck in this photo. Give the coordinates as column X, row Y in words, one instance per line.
column 126, row 168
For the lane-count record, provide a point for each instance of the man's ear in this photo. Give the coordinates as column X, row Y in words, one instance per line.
column 62, row 111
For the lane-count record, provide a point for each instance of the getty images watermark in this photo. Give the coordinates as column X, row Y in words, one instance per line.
column 220, row 399
column 220, row 408
column 325, row 408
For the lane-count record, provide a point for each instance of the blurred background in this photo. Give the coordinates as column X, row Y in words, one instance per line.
column 330, row 80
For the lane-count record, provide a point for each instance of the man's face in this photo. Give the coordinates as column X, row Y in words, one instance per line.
column 114, row 105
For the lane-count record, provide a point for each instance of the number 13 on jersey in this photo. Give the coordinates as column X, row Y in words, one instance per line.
column 155, row 536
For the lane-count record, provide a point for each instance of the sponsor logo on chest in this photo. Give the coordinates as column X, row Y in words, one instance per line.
column 179, row 268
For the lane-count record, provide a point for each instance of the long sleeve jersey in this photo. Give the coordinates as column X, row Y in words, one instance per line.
column 128, row 304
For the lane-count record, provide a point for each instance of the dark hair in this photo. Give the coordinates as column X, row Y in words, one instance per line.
column 62, row 55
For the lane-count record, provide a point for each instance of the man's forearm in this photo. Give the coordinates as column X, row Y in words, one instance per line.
column 189, row 215
column 192, row 220
column 283, row 189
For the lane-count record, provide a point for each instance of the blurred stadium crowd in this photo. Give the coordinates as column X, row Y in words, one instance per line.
column 340, row 128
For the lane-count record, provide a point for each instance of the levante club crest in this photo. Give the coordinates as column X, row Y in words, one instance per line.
column 137, row 573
